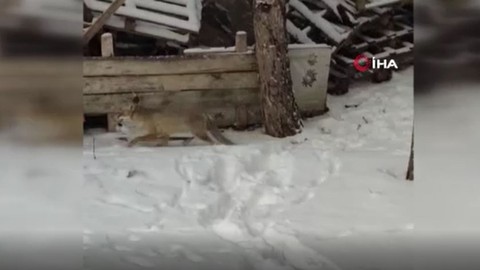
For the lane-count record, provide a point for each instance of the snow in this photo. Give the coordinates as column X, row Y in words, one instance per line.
column 379, row 3
column 304, row 202
column 251, row 48
column 298, row 34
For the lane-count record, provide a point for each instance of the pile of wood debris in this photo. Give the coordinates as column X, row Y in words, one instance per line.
column 374, row 28
column 380, row 29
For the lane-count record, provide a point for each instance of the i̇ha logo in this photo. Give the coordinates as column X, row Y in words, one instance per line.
column 362, row 63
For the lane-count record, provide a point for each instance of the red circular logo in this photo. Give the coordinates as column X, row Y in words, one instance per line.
column 362, row 63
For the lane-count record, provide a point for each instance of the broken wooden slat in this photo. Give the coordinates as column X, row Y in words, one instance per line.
column 190, row 82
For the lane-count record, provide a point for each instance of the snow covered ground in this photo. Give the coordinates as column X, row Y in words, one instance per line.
column 333, row 197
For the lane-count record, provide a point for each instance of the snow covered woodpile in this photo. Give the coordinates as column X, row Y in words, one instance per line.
column 380, row 29
column 172, row 20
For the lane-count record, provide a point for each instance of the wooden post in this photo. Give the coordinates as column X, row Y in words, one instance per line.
column 281, row 116
column 112, row 122
column 107, row 51
column 107, row 45
column 241, row 42
column 241, row 114
column 98, row 24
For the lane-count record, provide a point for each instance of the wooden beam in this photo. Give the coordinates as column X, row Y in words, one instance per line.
column 100, row 22
column 190, row 64
column 214, row 101
column 161, row 83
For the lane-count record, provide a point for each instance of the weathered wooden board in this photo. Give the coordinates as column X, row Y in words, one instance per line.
column 188, row 64
column 220, row 102
column 159, row 83
column 182, row 99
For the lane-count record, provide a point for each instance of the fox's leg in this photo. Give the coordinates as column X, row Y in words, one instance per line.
column 187, row 141
column 145, row 138
column 162, row 140
column 203, row 135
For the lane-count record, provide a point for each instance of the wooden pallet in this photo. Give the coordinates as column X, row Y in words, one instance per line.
column 170, row 20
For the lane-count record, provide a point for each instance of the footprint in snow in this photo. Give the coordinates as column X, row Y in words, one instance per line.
column 189, row 255
column 140, row 261
column 133, row 238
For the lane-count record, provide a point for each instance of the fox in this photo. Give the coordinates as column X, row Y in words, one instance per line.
column 146, row 125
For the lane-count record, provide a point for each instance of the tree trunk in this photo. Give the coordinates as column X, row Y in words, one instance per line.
column 410, row 163
column 281, row 115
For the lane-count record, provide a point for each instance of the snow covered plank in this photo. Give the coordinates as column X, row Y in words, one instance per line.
column 321, row 23
column 298, row 34
column 380, row 3
column 183, row 17
column 147, row 29
column 188, row 64
column 159, row 83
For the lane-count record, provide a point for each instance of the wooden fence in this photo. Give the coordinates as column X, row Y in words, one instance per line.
column 224, row 82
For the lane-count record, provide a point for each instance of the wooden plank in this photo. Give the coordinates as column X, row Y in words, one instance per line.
column 188, row 64
column 139, row 84
column 227, row 102
column 114, row 103
column 100, row 22
column 214, row 102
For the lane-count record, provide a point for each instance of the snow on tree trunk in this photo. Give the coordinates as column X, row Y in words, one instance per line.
column 281, row 115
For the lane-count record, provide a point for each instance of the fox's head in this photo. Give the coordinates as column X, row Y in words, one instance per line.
column 125, row 119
